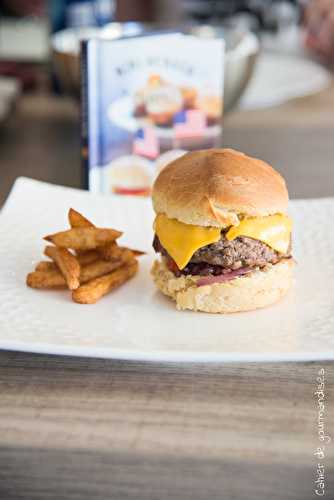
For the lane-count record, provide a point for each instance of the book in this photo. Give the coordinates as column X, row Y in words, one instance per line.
column 145, row 101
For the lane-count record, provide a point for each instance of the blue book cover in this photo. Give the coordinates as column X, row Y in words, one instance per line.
column 146, row 101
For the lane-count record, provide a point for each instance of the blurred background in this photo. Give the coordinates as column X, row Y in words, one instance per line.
column 279, row 95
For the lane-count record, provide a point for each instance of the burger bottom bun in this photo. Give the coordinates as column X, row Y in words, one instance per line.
column 260, row 288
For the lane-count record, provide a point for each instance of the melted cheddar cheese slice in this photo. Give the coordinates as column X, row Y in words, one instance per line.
column 182, row 240
column 274, row 230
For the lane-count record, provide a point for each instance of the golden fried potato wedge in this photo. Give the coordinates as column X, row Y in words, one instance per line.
column 101, row 267
column 87, row 257
column 46, row 279
column 98, row 268
column 50, row 277
column 76, row 219
column 113, row 251
column 92, row 291
column 83, row 238
column 136, row 253
column 67, row 263
column 46, row 265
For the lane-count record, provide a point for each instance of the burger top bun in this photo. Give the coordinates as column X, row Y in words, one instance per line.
column 213, row 187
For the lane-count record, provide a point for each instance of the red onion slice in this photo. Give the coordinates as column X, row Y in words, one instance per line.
column 221, row 278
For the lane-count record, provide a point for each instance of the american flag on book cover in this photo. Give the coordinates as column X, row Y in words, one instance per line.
column 189, row 123
column 146, row 143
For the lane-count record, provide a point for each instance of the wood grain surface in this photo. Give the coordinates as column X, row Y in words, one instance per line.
column 78, row 429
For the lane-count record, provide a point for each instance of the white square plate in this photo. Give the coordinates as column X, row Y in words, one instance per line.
column 136, row 321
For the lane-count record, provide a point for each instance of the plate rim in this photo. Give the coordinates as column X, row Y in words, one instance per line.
column 163, row 356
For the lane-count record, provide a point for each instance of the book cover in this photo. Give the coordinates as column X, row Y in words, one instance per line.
column 145, row 101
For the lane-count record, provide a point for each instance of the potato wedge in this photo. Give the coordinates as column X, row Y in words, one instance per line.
column 84, row 259
column 98, row 268
column 87, row 257
column 83, row 238
column 67, row 263
column 45, row 265
column 76, row 219
column 113, row 251
column 127, row 255
column 46, row 279
column 92, row 291
column 50, row 277
column 110, row 251
column 136, row 253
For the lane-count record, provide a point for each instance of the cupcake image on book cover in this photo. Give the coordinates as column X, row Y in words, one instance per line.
column 163, row 103
column 145, row 99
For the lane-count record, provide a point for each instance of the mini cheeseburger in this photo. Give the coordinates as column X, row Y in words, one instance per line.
column 222, row 231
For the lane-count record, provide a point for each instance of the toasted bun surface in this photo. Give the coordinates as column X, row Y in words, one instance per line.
column 257, row 289
column 212, row 187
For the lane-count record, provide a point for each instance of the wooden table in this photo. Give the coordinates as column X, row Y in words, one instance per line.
column 94, row 429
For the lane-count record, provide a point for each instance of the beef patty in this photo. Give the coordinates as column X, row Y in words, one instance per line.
column 224, row 256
